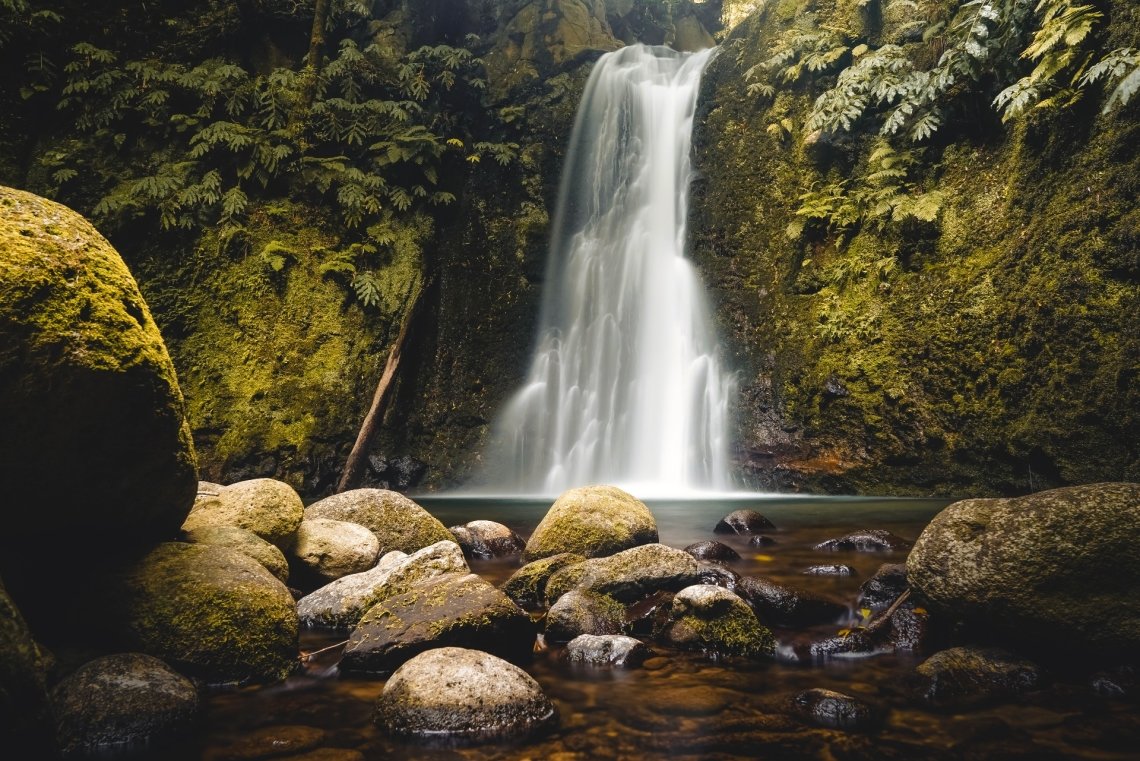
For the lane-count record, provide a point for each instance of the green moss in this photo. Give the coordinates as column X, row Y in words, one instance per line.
column 527, row 585
column 592, row 521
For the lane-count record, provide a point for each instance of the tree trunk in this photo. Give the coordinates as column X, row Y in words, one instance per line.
column 314, row 62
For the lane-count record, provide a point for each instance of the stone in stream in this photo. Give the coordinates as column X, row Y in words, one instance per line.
column 826, row 708
column 578, row 613
column 780, row 605
column 1057, row 571
column 271, row 509
column 712, row 550
column 963, row 676
column 340, row 604
column 866, row 540
column 715, row 621
column 743, row 522
column 325, row 550
column 487, row 539
column 593, row 521
column 244, row 541
column 453, row 609
column 118, row 704
column 271, row 742
column 629, row 575
column 457, row 694
column 398, row 522
column 607, row 650
column 829, row 570
column 527, row 585
column 761, row 540
column 884, row 587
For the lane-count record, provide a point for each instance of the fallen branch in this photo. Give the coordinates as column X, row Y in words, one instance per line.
column 304, row 657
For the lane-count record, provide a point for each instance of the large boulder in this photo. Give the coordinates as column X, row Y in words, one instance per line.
column 95, row 451
column 121, row 704
column 23, row 694
column 454, row 609
column 593, row 521
column 326, row 549
column 1058, row 568
column 398, row 522
column 461, row 694
column 716, row 621
column 246, row 542
column 269, row 508
column 628, row 576
column 209, row 611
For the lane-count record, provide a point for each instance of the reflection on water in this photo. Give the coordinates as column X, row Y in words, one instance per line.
column 684, row 705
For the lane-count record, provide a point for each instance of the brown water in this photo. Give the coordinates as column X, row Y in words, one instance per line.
column 687, row 706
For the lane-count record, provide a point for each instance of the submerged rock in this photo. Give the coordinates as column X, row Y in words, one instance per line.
column 969, row 675
column 743, row 522
column 246, row 542
column 607, row 650
column 120, row 704
column 829, row 570
column 884, row 587
column 328, row 549
column 592, row 521
column 340, row 605
column 578, row 613
column 398, row 522
column 459, row 694
column 628, row 575
column 826, row 708
column 761, row 540
column 780, row 605
column 712, row 551
column 866, row 540
column 271, row 509
column 274, row 741
column 1058, row 568
column 716, row 621
column 487, row 539
column 527, row 585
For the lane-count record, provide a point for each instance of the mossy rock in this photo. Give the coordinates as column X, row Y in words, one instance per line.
column 592, row 521
column 211, row 612
column 398, row 522
column 271, row 509
column 628, row 576
column 24, row 715
column 527, row 585
column 95, row 449
column 246, row 542
column 578, row 613
column 714, row 620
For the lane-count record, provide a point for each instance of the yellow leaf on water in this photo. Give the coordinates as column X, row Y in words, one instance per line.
column 865, row 612
column 920, row 611
column 763, row 558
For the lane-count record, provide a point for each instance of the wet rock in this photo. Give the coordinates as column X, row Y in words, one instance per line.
column 1060, row 565
column 852, row 643
column 453, row 609
column 884, row 587
column 244, row 541
column 24, row 714
column 779, row 605
column 462, row 694
column 527, row 585
column 607, row 650
column 866, row 540
column 122, row 703
column 268, row 508
column 718, row 576
column 578, row 613
column 341, row 604
column 629, row 575
column 325, row 549
column 712, row 551
column 487, row 539
column 970, row 675
column 209, row 611
column 397, row 473
column 270, row 742
column 826, row 708
column 829, row 570
column 761, row 540
column 398, row 522
column 649, row 615
column 716, row 621
column 743, row 522
column 1118, row 682
column 593, row 521
column 909, row 627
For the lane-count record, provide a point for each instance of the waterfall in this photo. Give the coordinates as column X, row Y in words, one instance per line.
column 625, row 385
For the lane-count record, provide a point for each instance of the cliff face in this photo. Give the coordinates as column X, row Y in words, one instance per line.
column 992, row 349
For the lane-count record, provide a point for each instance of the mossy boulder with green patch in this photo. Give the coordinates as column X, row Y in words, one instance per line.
column 95, row 450
column 628, row 576
column 271, row 509
column 964, row 676
column 24, row 715
column 398, row 522
column 527, row 585
column 577, row 613
column 246, row 542
column 209, row 611
column 453, row 609
column 592, row 521
column 714, row 620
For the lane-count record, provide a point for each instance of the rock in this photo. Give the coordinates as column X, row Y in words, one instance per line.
column 712, row 551
column 761, row 540
column 398, row 522
column 829, row 570
column 527, row 585
column 779, row 605
column 487, row 539
column 340, row 605
column 328, row 549
column 592, row 521
column 463, row 694
column 882, row 589
column 716, row 621
column 271, row 742
column 628, row 575
column 24, row 714
column 453, row 609
column 210, row 611
column 910, row 627
column 122, row 703
column 826, row 708
column 648, row 615
column 268, row 508
column 743, row 522
column 607, row 650
column 246, row 542
column 95, row 450
column 866, row 540
column 709, row 572
column 578, row 613
column 1056, row 569
column 969, row 675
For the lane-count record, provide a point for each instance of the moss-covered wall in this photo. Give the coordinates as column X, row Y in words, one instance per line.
column 994, row 352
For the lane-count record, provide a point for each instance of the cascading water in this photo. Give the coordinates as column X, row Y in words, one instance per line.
column 625, row 386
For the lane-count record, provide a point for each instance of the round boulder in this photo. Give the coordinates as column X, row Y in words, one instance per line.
column 712, row 551
column 578, row 613
column 592, row 521
column 461, row 694
column 246, row 542
column 1063, row 565
column 326, row 549
column 122, row 703
column 607, row 650
column 716, row 621
column 487, row 539
column 94, row 422
column 269, row 508
column 743, row 522
column 211, row 611
column 398, row 522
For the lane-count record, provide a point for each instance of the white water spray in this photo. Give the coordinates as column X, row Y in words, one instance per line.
column 625, row 386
